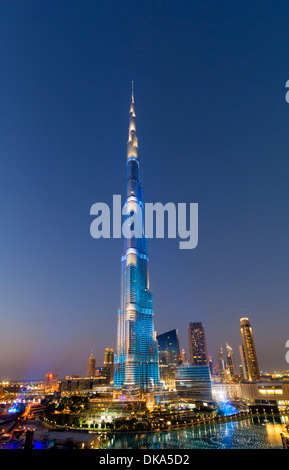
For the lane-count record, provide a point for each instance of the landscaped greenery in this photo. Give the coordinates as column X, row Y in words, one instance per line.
column 75, row 411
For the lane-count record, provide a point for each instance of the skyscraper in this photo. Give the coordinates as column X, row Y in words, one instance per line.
column 91, row 366
column 211, row 365
column 136, row 359
column 51, row 381
column 169, row 356
column 108, row 357
column 221, row 361
column 249, row 349
column 198, row 345
column 108, row 363
column 243, row 362
column 184, row 357
column 230, row 360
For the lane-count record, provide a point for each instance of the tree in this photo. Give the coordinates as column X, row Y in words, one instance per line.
column 50, row 409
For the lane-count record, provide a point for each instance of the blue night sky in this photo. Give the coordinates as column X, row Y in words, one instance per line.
column 212, row 124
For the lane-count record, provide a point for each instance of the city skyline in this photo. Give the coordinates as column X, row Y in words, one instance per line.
column 212, row 120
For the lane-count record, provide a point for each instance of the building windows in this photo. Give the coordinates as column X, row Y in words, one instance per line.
column 270, row 391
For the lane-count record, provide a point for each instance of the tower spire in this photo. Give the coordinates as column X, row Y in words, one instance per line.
column 132, row 145
column 132, row 97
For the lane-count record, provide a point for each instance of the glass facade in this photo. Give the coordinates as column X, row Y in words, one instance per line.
column 136, row 359
column 230, row 360
column 169, row 356
column 194, row 382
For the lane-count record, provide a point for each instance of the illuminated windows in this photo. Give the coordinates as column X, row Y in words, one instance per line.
column 270, row 390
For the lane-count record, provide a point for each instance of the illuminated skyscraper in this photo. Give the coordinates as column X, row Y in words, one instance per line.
column 243, row 362
column 230, row 360
column 169, row 356
column 91, row 366
column 221, row 361
column 108, row 357
column 51, row 381
column 211, row 365
column 108, row 363
column 249, row 349
column 184, row 357
column 136, row 359
column 198, row 345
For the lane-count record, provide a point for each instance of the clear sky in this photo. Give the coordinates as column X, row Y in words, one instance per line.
column 212, row 123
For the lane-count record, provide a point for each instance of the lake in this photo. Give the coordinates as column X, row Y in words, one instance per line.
column 250, row 433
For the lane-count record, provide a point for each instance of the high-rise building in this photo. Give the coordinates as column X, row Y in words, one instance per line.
column 221, row 363
column 169, row 356
column 136, row 360
column 211, row 365
column 243, row 362
column 184, row 356
column 91, row 366
column 108, row 357
column 51, row 382
column 249, row 349
column 198, row 345
column 108, row 363
column 194, row 382
column 230, row 360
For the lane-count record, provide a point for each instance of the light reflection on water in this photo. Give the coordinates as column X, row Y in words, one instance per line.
column 251, row 433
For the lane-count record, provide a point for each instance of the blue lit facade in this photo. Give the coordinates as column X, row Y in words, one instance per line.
column 169, row 356
column 136, row 359
column 194, row 382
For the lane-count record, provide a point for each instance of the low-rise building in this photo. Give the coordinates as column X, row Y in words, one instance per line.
column 272, row 395
column 194, row 382
column 229, row 390
column 78, row 384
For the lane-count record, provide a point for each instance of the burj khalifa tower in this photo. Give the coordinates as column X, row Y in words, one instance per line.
column 136, row 360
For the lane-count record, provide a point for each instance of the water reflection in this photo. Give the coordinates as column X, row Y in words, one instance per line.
column 260, row 432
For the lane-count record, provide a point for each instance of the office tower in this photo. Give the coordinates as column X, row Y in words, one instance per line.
column 211, row 365
column 91, row 366
column 169, row 356
column 197, row 343
column 221, row 361
column 136, row 360
column 51, row 382
column 249, row 349
column 108, row 357
column 243, row 362
column 241, row 370
column 108, row 364
column 184, row 357
column 194, row 382
column 230, row 360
